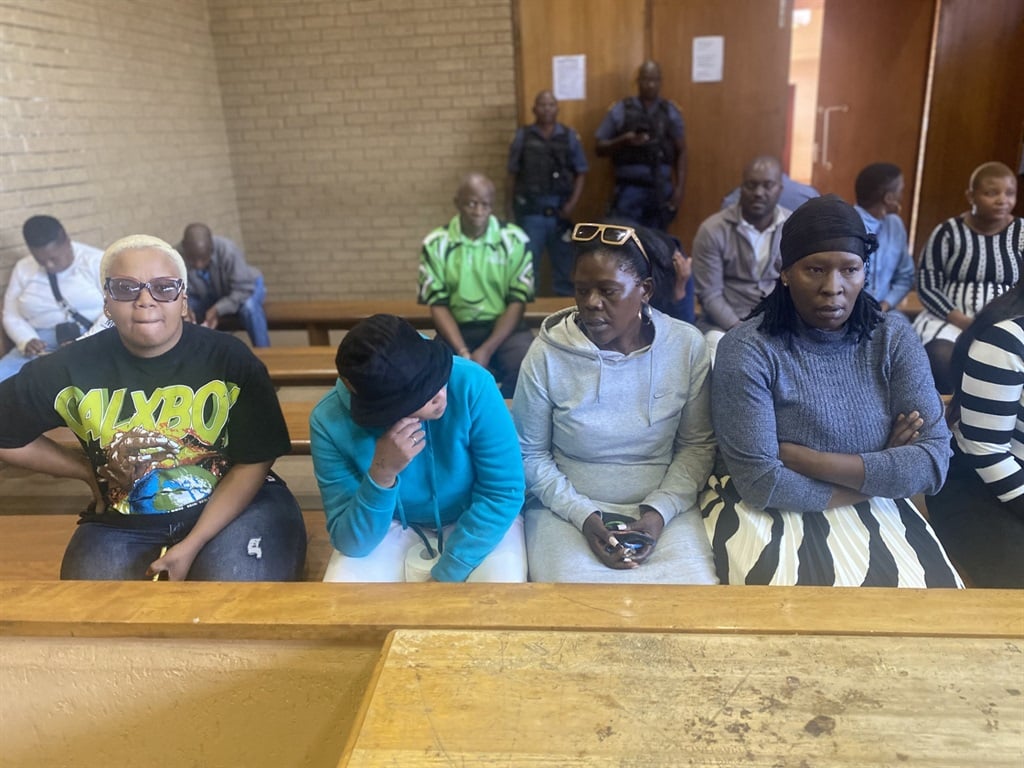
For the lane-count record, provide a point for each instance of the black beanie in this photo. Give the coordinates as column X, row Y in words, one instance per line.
column 825, row 224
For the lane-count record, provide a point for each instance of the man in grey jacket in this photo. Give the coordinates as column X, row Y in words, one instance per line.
column 736, row 251
column 220, row 282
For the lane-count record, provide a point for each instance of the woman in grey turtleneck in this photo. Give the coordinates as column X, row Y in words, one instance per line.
column 827, row 419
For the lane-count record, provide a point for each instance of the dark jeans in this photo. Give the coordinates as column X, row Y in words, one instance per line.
column 643, row 205
column 552, row 233
column 983, row 536
column 250, row 314
column 266, row 542
column 509, row 356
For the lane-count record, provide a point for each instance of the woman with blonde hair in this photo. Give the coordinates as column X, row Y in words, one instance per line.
column 180, row 426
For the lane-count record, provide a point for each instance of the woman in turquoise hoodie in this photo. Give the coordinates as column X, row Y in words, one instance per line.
column 418, row 463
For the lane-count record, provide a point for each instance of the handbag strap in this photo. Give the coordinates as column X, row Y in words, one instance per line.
column 78, row 318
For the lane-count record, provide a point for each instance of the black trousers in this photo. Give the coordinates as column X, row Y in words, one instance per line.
column 983, row 536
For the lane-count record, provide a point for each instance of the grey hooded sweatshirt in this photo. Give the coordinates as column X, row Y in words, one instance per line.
column 600, row 430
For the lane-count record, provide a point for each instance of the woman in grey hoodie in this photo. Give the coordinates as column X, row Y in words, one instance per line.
column 613, row 413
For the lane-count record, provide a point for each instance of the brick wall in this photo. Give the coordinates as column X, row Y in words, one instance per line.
column 110, row 120
column 350, row 124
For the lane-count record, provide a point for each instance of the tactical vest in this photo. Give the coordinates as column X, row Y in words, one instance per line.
column 544, row 167
column 661, row 149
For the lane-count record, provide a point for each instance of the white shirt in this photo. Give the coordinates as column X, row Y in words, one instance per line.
column 29, row 303
column 761, row 242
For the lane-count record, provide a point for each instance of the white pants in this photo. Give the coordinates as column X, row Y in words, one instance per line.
column 387, row 562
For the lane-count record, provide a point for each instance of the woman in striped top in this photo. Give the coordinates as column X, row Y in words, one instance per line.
column 968, row 261
column 979, row 513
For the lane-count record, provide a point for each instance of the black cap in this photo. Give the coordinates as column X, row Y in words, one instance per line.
column 391, row 369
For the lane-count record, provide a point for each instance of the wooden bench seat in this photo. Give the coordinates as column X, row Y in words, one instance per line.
column 318, row 318
column 310, row 366
column 32, row 546
column 227, row 667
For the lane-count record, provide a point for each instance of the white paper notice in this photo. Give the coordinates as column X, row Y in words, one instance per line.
column 708, row 53
column 569, row 74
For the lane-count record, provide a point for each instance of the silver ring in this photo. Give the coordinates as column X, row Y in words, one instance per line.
column 415, row 440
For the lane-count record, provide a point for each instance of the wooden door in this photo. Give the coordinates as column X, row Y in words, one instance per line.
column 871, row 88
column 730, row 122
column 977, row 109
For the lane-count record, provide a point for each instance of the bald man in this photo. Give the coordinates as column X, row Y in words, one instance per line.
column 645, row 138
column 221, row 282
column 477, row 276
column 736, row 257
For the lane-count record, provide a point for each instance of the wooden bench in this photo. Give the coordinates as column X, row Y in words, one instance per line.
column 32, row 546
column 475, row 697
column 285, row 674
column 311, row 366
column 320, row 317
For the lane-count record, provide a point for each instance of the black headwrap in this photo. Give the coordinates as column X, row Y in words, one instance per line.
column 825, row 224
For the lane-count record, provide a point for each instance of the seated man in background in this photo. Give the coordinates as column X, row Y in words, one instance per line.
column 890, row 277
column 546, row 169
column 220, row 282
column 736, row 257
column 53, row 295
column 476, row 275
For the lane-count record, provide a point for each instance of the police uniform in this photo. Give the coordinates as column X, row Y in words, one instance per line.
column 545, row 171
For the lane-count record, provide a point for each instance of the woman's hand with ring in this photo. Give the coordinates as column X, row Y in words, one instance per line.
column 395, row 449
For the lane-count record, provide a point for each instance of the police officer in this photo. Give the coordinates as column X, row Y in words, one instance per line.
column 646, row 140
column 546, row 169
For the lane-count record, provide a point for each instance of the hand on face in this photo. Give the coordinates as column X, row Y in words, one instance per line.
column 395, row 449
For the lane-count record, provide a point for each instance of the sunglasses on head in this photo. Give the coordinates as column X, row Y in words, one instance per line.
column 609, row 234
column 160, row 288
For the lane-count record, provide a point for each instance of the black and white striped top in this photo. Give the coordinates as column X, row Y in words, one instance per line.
column 961, row 269
column 990, row 434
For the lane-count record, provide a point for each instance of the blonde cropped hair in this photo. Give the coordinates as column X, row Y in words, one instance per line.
column 137, row 242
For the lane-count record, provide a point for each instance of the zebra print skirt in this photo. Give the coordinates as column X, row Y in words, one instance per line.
column 875, row 543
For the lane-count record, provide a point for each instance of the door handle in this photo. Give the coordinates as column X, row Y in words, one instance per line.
column 826, row 112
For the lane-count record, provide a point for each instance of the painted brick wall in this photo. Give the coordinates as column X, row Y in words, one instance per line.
column 111, row 120
column 350, row 124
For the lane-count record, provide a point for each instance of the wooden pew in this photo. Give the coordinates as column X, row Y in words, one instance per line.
column 284, row 674
column 546, row 697
column 32, row 546
column 299, row 366
column 318, row 318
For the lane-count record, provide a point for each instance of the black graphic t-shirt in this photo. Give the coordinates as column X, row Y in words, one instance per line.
column 160, row 432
